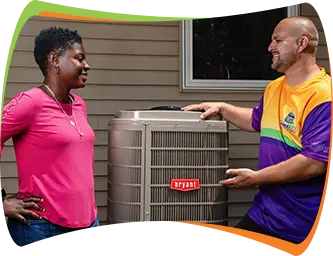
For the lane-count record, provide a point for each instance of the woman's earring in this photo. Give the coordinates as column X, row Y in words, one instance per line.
column 58, row 70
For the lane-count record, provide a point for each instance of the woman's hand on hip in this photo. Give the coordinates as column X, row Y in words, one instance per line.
column 17, row 208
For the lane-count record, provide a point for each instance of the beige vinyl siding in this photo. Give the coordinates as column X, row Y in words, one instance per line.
column 134, row 65
column 322, row 54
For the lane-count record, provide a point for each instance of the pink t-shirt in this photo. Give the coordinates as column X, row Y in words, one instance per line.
column 53, row 161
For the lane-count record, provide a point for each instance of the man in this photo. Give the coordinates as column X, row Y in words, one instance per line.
column 294, row 121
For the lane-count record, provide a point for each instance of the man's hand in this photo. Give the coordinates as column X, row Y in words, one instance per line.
column 241, row 178
column 17, row 208
column 239, row 116
column 210, row 108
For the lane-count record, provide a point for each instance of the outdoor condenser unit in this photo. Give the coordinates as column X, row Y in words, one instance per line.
column 165, row 165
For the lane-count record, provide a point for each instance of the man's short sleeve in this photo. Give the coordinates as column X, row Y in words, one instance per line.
column 316, row 133
column 257, row 115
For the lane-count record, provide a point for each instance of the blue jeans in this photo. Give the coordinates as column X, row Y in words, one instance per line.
column 38, row 230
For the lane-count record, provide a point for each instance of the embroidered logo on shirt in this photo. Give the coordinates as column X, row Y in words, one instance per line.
column 10, row 105
column 288, row 122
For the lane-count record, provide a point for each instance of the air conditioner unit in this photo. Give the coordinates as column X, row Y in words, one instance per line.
column 165, row 165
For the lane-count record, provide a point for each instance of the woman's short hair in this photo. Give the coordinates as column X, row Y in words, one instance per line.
column 53, row 39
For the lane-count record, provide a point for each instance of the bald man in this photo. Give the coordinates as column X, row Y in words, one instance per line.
column 294, row 121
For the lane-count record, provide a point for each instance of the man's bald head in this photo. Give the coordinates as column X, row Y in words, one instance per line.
column 294, row 41
column 301, row 26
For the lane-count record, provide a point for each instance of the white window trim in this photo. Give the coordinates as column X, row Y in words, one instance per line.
column 188, row 84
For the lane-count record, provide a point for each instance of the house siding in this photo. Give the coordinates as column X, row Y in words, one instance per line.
column 134, row 65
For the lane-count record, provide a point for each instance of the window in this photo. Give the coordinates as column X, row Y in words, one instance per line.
column 230, row 53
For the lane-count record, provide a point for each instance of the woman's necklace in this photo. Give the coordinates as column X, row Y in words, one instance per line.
column 73, row 123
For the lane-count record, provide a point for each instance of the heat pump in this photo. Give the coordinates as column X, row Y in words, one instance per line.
column 165, row 165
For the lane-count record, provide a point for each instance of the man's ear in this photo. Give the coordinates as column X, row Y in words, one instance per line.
column 303, row 43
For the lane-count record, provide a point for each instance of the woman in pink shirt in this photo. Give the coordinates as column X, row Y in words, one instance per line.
column 53, row 142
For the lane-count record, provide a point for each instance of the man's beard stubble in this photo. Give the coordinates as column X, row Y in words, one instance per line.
column 280, row 66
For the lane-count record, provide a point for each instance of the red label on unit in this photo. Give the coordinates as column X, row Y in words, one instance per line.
column 185, row 184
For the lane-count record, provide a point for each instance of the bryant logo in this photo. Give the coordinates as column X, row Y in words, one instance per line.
column 185, row 184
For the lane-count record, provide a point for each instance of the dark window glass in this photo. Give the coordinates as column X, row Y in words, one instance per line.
column 235, row 47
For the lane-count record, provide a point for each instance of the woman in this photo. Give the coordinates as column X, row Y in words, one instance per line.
column 54, row 144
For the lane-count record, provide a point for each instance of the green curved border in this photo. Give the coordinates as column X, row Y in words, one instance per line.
column 36, row 7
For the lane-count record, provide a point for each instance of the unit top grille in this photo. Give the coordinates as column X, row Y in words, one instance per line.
column 161, row 115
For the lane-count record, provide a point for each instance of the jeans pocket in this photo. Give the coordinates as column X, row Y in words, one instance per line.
column 38, row 230
column 22, row 235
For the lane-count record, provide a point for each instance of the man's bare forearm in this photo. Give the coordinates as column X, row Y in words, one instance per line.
column 297, row 168
column 241, row 117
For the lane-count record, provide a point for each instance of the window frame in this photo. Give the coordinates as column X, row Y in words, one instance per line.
column 188, row 84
